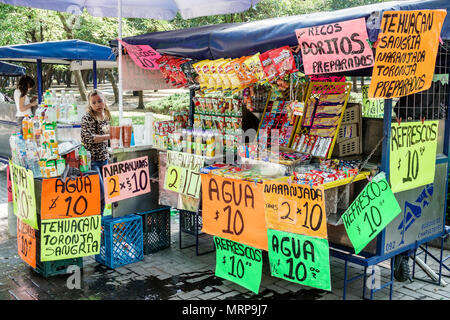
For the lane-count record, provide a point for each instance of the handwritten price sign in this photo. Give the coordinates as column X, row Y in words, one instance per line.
column 72, row 198
column 335, row 47
column 238, row 263
column 301, row 259
column 234, row 209
column 295, row 208
column 413, row 154
column 373, row 209
column 143, row 56
column 183, row 173
column 126, row 179
column 26, row 243
column 24, row 200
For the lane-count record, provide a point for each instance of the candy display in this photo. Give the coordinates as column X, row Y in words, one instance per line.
column 325, row 171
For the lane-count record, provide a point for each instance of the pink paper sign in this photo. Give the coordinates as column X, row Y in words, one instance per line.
column 143, row 56
column 126, row 179
column 336, row 47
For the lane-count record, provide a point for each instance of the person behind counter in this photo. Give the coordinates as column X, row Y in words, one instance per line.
column 95, row 134
column 23, row 103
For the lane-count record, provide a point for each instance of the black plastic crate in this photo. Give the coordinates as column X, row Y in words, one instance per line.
column 187, row 222
column 58, row 267
column 156, row 229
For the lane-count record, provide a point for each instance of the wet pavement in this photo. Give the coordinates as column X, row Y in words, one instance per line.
column 179, row 274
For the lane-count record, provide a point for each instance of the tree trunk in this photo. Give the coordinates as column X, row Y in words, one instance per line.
column 114, row 86
column 355, row 84
column 141, row 100
column 68, row 78
column 80, row 84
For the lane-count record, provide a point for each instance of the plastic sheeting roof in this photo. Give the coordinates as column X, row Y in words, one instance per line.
column 240, row 39
column 61, row 52
column 155, row 9
column 8, row 69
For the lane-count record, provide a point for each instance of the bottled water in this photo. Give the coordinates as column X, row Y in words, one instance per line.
column 47, row 98
column 72, row 111
column 13, row 146
column 20, row 147
column 32, row 158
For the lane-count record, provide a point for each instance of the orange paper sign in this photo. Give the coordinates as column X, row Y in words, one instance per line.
column 234, row 210
column 26, row 243
column 295, row 208
column 406, row 52
column 70, row 199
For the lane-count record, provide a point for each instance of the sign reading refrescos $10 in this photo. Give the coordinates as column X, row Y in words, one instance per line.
column 413, row 154
column 373, row 209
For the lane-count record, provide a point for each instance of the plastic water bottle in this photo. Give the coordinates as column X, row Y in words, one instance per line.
column 51, row 113
column 63, row 107
column 73, row 112
column 13, row 146
column 32, row 158
column 21, row 151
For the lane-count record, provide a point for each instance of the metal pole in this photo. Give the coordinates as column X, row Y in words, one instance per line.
column 39, row 79
column 94, row 73
column 119, row 9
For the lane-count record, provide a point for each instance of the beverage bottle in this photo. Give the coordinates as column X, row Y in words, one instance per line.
column 37, row 129
column 82, row 155
column 73, row 111
column 21, row 152
column 63, row 108
column 13, row 146
column 47, row 97
column 26, row 124
column 32, row 158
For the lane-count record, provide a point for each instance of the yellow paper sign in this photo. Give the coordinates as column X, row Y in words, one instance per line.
column 70, row 238
column 173, row 178
column 406, row 52
column 24, row 199
column 413, row 154
column 295, row 208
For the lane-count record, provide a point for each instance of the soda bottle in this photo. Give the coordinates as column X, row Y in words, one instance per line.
column 26, row 127
column 82, row 155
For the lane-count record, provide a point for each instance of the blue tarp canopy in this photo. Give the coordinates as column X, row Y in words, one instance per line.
column 60, row 52
column 240, row 39
column 12, row 70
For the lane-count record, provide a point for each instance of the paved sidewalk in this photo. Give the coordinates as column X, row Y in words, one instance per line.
column 174, row 274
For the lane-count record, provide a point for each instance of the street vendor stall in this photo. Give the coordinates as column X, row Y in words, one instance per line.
column 314, row 178
column 53, row 52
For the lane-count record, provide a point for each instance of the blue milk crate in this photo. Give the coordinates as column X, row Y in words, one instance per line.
column 121, row 241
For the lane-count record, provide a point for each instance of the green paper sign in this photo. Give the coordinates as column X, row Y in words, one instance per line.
column 70, row 238
column 24, row 200
column 238, row 263
column 373, row 209
column 299, row 258
column 412, row 154
column 371, row 108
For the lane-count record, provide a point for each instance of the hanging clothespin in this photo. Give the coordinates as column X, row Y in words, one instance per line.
column 310, row 184
column 399, row 120
column 423, row 120
column 440, row 41
column 369, row 178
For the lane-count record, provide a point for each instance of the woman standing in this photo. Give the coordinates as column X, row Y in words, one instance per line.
column 23, row 104
column 95, row 134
